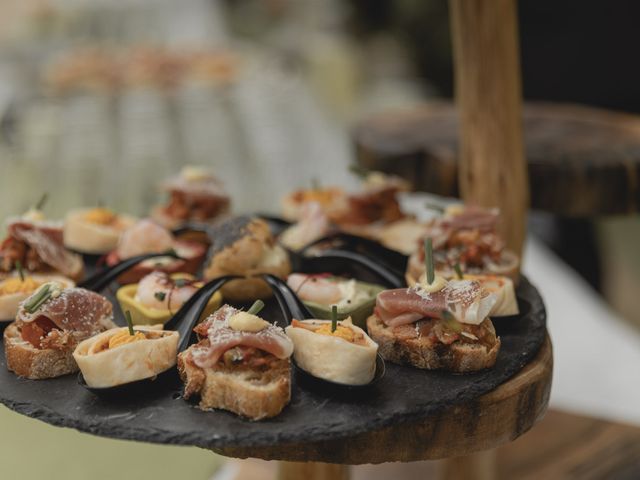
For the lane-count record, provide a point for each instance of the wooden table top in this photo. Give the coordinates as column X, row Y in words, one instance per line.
column 582, row 161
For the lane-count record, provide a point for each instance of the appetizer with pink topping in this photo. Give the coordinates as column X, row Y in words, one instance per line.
column 241, row 364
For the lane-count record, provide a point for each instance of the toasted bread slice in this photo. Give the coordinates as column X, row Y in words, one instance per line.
column 250, row 393
column 458, row 357
column 34, row 363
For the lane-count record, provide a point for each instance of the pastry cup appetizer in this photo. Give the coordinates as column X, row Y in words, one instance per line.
column 319, row 292
column 339, row 352
column 158, row 296
column 15, row 289
column 241, row 364
column 147, row 236
column 94, row 230
column 117, row 357
column 245, row 246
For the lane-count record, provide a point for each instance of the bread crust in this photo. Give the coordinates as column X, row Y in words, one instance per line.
column 418, row 352
column 249, row 393
column 36, row 364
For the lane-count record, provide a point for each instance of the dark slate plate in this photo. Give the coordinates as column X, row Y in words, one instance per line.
column 163, row 417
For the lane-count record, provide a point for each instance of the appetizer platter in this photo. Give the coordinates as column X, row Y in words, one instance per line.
column 264, row 333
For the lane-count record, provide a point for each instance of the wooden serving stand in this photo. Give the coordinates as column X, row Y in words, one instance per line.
column 492, row 173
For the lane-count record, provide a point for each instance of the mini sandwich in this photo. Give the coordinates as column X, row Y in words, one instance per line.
column 38, row 246
column 146, row 236
column 465, row 236
column 195, row 195
column 245, row 246
column 442, row 325
column 94, row 230
column 241, row 364
column 49, row 326
column 124, row 355
column 336, row 351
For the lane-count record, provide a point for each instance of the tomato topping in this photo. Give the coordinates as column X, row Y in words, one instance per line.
column 33, row 332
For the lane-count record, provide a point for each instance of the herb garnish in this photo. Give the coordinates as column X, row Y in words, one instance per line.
column 160, row 296
column 127, row 315
column 334, row 318
column 256, row 307
column 37, row 299
column 458, row 271
column 20, row 270
column 428, row 260
column 358, row 170
column 42, row 201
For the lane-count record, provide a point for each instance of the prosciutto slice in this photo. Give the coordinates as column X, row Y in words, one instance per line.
column 46, row 239
column 74, row 310
column 464, row 299
column 473, row 217
column 222, row 338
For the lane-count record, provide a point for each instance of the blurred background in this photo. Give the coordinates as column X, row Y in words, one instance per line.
column 102, row 99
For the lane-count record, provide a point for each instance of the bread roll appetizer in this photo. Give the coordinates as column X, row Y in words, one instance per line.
column 146, row 236
column 336, row 351
column 241, row 364
column 245, row 246
column 48, row 327
column 195, row 195
column 319, row 292
column 158, row 296
column 467, row 236
column 124, row 355
column 18, row 287
column 37, row 245
column 94, row 231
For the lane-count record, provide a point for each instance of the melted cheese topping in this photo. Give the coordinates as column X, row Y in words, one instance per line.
column 16, row 285
column 124, row 337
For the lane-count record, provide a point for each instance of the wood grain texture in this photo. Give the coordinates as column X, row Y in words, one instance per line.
column 582, row 161
column 493, row 419
column 489, row 98
column 312, row 471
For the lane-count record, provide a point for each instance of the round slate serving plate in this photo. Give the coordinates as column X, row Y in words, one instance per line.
column 403, row 394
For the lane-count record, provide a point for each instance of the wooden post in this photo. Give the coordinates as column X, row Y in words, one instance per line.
column 312, row 471
column 489, row 98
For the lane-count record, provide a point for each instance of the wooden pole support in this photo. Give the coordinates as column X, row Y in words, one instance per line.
column 489, row 98
column 312, row 471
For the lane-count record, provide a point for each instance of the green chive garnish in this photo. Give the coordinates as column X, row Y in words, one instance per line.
column 458, row 271
column 36, row 300
column 180, row 282
column 451, row 322
column 160, row 296
column 428, row 260
column 127, row 315
column 334, row 318
column 256, row 307
column 315, row 183
column 20, row 270
column 42, row 201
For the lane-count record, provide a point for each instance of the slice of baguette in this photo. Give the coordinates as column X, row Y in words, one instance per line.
column 459, row 357
column 36, row 364
column 252, row 394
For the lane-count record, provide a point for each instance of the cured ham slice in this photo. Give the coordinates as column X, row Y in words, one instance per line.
column 75, row 309
column 464, row 299
column 222, row 337
column 46, row 239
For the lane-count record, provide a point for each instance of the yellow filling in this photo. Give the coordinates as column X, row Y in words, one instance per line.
column 123, row 337
column 342, row 332
column 100, row 216
column 245, row 322
column 16, row 285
